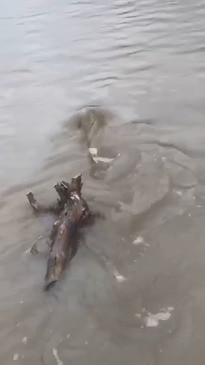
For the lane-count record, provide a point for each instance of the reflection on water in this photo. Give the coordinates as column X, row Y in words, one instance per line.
column 113, row 90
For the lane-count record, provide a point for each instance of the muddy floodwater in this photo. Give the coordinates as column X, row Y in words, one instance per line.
column 115, row 90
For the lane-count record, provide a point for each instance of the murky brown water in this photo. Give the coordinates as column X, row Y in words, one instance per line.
column 132, row 73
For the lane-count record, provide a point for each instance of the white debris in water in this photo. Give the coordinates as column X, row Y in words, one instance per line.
column 21, row 302
column 103, row 159
column 68, row 336
column 120, row 278
column 170, row 309
column 138, row 315
column 152, row 320
column 189, row 214
column 93, row 151
column 199, row 206
column 16, row 357
column 179, row 193
column 55, row 354
column 24, row 340
column 138, row 241
column 86, row 342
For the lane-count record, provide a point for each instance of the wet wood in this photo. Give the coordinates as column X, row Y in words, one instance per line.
column 73, row 212
column 64, row 191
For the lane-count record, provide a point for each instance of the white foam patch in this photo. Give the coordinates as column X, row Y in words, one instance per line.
column 140, row 241
column 152, row 320
column 120, row 278
column 103, row 159
column 24, row 340
column 16, row 357
column 55, row 354
column 93, row 151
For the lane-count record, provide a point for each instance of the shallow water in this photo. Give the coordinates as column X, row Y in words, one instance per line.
column 131, row 74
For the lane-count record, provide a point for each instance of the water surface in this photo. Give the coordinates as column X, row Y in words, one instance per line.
column 134, row 71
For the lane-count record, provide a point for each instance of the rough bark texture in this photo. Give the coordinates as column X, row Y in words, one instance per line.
column 73, row 212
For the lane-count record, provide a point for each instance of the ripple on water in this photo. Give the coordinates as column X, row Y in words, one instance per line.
column 142, row 58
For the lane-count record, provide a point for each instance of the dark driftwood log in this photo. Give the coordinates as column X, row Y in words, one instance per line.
column 76, row 184
column 56, row 208
column 73, row 212
column 63, row 190
column 64, row 233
